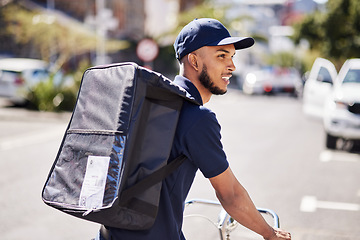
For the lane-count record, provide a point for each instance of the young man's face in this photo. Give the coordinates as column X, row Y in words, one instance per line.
column 217, row 67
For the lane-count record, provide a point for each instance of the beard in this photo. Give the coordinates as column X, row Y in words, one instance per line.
column 208, row 84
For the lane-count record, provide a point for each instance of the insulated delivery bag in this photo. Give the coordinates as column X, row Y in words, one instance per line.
column 114, row 154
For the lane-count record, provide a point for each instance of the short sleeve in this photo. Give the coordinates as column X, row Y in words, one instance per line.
column 204, row 145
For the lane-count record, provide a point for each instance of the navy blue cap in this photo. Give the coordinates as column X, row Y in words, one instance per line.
column 206, row 32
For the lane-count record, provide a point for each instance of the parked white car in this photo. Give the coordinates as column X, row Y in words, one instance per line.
column 342, row 107
column 273, row 80
column 17, row 75
column 334, row 98
column 318, row 86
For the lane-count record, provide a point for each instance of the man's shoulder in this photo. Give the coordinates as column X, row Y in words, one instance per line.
column 193, row 117
column 196, row 111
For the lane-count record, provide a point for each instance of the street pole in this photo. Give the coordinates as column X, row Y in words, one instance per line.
column 103, row 21
column 100, row 33
column 50, row 4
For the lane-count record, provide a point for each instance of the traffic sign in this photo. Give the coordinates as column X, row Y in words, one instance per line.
column 147, row 50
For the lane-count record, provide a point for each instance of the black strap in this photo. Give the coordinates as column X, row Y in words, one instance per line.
column 144, row 207
column 152, row 179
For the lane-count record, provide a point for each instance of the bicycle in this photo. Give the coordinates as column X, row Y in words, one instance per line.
column 225, row 223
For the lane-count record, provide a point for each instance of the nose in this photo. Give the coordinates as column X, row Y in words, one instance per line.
column 231, row 66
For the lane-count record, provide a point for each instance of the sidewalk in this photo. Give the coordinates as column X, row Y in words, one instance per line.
column 9, row 112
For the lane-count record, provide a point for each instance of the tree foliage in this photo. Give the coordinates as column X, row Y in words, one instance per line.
column 34, row 32
column 209, row 9
column 51, row 36
column 282, row 59
column 335, row 33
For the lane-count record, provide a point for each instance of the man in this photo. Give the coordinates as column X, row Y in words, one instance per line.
column 204, row 49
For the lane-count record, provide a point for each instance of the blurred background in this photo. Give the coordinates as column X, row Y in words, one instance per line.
column 71, row 36
column 290, row 121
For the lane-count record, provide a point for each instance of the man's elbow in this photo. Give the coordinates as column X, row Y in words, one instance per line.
column 232, row 199
column 227, row 199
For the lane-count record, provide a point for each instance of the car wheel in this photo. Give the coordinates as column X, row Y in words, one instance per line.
column 331, row 141
column 356, row 147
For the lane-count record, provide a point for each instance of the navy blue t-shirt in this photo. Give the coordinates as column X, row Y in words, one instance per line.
column 198, row 138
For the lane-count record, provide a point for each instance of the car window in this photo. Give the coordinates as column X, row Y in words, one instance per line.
column 35, row 75
column 40, row 73
column 324, row 75
column 8, row 76
column 10, row 72
column 352, row 76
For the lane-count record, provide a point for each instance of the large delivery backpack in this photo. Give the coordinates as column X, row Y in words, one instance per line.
column 114, row 154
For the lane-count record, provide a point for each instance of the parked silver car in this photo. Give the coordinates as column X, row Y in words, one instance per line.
column 273, row 80
column 17, row 75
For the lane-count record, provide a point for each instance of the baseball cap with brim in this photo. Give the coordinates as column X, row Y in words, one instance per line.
column 206, row 32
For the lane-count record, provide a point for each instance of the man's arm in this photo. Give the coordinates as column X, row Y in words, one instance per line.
column 237, row 202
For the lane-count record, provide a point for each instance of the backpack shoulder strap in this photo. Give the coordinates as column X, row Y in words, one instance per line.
column 152, row 179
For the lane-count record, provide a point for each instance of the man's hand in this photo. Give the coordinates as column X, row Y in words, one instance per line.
column 279, row 234
column 236, row 201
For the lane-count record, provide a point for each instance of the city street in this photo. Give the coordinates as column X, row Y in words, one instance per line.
column 275, row 151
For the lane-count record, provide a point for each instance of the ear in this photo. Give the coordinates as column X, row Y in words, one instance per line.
column 193, row 61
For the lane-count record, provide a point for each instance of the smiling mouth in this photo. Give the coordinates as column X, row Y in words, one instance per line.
column 226, row 79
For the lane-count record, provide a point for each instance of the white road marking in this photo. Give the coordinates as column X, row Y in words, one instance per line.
column 310, row 204
column 30, row 139
column 327, row 156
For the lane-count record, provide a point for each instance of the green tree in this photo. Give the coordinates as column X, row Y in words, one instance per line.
column 282, row 59
column 209, row 9
column 38, row 33
column 50, row 36
column 335, row 33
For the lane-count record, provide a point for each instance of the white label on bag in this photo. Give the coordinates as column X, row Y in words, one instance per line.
column 93, row 187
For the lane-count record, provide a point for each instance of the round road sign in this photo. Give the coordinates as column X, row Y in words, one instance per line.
column 147, row 50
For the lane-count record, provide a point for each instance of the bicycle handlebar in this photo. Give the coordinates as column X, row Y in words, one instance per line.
column 272, row 214
column 224, row 216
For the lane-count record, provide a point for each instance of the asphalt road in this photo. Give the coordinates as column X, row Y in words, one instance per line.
column 275, row 151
